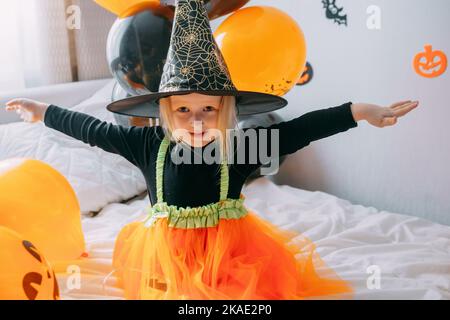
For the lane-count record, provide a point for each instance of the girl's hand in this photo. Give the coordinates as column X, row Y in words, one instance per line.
column 382, row 116
column 29, row 110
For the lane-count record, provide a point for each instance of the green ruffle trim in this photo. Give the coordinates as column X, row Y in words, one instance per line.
column 196, row 217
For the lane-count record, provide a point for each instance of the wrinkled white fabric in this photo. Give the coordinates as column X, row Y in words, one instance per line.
column 412, row 255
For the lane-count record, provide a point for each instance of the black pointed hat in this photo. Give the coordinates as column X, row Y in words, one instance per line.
column 195, row 65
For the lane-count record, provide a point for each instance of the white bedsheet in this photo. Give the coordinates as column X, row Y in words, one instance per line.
column 412, row 254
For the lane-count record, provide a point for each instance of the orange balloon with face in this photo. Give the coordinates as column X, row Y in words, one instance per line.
column 430, row 63
column 38, row 202
column 25, row 274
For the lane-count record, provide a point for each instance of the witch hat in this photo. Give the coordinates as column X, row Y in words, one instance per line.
column 195, row 64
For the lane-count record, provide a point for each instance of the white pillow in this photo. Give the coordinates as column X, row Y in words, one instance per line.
column 98, row 177
column 91, row 105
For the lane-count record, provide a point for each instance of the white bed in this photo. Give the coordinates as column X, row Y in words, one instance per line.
column 411, row 255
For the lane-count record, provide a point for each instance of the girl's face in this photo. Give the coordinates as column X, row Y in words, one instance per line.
column 196, row 114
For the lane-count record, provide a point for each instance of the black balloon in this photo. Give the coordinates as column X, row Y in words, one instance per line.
column 119, row 93
column 257, row 120
column 216, row 8
column 137, row 49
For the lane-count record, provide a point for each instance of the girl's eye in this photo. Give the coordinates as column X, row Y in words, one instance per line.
column 183, row 109
column 209, row 108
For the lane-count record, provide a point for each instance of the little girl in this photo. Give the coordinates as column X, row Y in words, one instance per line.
column 199, row 241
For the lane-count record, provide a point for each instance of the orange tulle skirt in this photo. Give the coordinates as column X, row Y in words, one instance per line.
column 247, row 258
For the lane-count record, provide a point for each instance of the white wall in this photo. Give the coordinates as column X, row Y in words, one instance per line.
column 404, row 168
column 91, row 40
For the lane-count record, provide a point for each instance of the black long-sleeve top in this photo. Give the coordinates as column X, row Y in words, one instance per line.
column 193, row 184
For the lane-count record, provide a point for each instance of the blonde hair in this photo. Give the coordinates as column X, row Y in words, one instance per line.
column 227, row 119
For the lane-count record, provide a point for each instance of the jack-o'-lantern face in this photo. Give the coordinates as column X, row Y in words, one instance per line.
column 33, row 281
column 307, row 75
column 430, row 64
column 24, row 272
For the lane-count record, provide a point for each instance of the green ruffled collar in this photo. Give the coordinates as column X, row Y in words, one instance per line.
column 196, row 217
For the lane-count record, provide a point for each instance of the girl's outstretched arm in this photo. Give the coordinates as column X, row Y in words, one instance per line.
column 290, row 136
column 299, row 132
column 133, row 143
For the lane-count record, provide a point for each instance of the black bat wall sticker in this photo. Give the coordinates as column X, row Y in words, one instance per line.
column 334, row 12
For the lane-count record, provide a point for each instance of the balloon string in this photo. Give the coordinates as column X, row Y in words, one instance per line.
column 105, row 279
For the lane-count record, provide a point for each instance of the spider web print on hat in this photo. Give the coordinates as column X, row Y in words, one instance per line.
column 194, row 61
column 195, row 64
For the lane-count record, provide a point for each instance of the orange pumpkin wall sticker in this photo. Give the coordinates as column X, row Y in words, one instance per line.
column 430, row 63
column 25, row 274
column 307, row 75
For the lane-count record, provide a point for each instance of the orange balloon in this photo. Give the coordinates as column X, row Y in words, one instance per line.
column 24, row 272
column 264, row 49
column 39, row 203
column 126, row 8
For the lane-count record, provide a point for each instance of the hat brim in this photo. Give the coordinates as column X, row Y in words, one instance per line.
column 247, row 102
